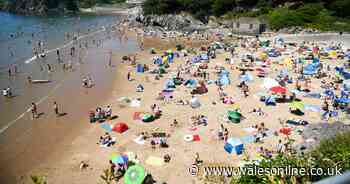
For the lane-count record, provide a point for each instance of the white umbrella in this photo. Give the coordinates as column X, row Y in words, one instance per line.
column 269, row 83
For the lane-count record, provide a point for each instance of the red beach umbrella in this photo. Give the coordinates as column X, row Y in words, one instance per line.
column 120, row 127
column 286, row 130
column 278, row 90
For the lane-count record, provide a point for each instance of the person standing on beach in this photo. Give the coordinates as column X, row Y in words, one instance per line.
column 129, row 76
column 34, row 110
column 55, row 108
column 9, row 72
column 58, row 55
column 110, row 59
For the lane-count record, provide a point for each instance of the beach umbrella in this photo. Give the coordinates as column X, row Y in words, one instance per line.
column 234, row 116
column 246, row 78
column 269, row 83
column 288, row 62
column 342, row 100
column 121, row 159
column 286, row 130
column 278, row 90
column 297, row 105
column 120, row 127
column 134, row 175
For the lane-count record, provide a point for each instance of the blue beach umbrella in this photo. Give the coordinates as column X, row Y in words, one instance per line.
column 121, row 159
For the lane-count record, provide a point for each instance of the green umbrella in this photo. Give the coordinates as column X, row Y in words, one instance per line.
column 297, row 105
column 134, row 175
column 234, row 116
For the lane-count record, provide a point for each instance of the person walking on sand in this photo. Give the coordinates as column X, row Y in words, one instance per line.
column 34, row 110
column 9, row 72
column 55, row 108
column 110, row 59
column 129, row 76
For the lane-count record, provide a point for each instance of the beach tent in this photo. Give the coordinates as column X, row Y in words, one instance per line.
column 329, row 93
column 234, row 145
column 234, row 116
column 268, row 83
column 343, row 73
column 195, row 103
column 140, row 68
column 158, row 61
column 346, row 84
column 204, row 57
column 310, row 69
column 342, row 100
column 120, row 127
column 274, row 53
column 169, row 84
column 147, row 117
column 270, row 100
column 134, row 175
column 191, row 83
column 224, row 78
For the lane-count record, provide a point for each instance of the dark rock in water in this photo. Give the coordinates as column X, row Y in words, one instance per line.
column 318, row 132
column 185, row 23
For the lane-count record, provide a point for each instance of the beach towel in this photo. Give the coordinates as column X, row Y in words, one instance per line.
column 135, row 103
column 313, row 108
column 247, row 139
column 139, row 140
column 154, row 161
column 137, row 116
column 106, row 127
column 250, row 130
column 196, row 138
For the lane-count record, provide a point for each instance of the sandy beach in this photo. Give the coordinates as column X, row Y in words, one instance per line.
column 56, row 151
column 63, row 165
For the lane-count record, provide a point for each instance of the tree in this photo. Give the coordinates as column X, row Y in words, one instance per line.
column 220, row 7
column 71, row 5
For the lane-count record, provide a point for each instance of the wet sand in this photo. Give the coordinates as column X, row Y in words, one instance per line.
column 29, row 143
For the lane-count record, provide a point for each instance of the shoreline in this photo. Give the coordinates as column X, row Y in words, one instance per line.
column 41, row 138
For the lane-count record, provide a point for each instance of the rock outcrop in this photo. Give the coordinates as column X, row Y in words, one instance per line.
column 183, row 23
column 27, row 7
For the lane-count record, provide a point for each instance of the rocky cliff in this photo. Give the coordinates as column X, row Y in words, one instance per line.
column 170, row 22
column 28, row 6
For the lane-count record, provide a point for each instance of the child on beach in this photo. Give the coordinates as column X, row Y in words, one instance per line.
column 34, row 110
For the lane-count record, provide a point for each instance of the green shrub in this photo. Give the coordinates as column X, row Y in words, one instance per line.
column 331, row 153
